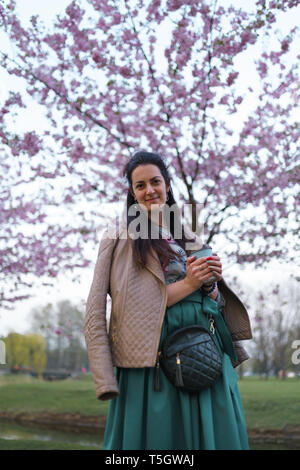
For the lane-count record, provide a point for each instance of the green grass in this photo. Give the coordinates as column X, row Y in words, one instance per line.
column 271, row 403
column 30, row 395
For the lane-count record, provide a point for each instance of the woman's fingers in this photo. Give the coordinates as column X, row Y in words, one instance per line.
column 204, row 266
column 201, row 269
column 200, row 261
column 211, row 263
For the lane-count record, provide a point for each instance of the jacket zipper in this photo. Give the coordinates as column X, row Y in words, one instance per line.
column 156, row 385
column 113, row 321
column 161, row 322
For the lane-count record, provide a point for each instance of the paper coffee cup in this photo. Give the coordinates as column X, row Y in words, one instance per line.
column 204, row 253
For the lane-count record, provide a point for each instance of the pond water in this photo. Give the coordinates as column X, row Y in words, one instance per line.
column 12, row 431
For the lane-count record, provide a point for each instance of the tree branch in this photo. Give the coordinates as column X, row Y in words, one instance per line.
column 204, row 115
column 85, row 114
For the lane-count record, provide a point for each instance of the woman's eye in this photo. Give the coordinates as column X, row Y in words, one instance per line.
column 141, row 185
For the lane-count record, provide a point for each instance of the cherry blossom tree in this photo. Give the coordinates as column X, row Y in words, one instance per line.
column 109, row 77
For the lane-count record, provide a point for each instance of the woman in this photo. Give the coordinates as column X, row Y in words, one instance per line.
column 155, row 289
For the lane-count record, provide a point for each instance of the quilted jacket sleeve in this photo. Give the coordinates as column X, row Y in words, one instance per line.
column 95, row 329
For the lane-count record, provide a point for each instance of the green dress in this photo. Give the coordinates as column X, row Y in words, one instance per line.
column 141, row 418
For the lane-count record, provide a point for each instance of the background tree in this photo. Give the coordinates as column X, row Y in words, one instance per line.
column 276, row 324
column 109, row 77
column 26, row 351
column 61, row 326
column 16, row 350
column 37, row 356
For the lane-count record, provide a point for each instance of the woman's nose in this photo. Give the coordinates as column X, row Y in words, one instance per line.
column 149, row 189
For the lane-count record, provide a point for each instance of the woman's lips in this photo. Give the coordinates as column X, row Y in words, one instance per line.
column 152, row 199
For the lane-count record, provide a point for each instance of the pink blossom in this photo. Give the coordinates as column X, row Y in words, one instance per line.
column 262, row 69
column 248, row 37
column 30, row 143
column 128, row 36
column 116, row 18
column 175, row 4
column 224, row 99
column 125, row 71
column 231, row 78
column 78, row 151
column 100, row 59
column 96, row 56
column 285, row 45
column 74, row 12
column 66, row 142
column 68, row 199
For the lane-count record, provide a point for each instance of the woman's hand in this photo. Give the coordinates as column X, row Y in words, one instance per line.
column 216, row 266
column 200, row 270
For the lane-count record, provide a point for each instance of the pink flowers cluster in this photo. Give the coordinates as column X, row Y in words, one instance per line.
column 29, row 144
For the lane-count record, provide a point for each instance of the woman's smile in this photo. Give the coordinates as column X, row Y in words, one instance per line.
column 152, row 199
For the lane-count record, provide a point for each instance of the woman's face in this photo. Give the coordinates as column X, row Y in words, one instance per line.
column 149, row 186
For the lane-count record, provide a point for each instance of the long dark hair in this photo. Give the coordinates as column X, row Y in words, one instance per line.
column 141, row 247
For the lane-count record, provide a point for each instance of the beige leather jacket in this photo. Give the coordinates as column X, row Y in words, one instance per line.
column 138, row 303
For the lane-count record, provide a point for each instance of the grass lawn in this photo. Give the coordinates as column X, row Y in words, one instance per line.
column 29, row 395
column 270, row 403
